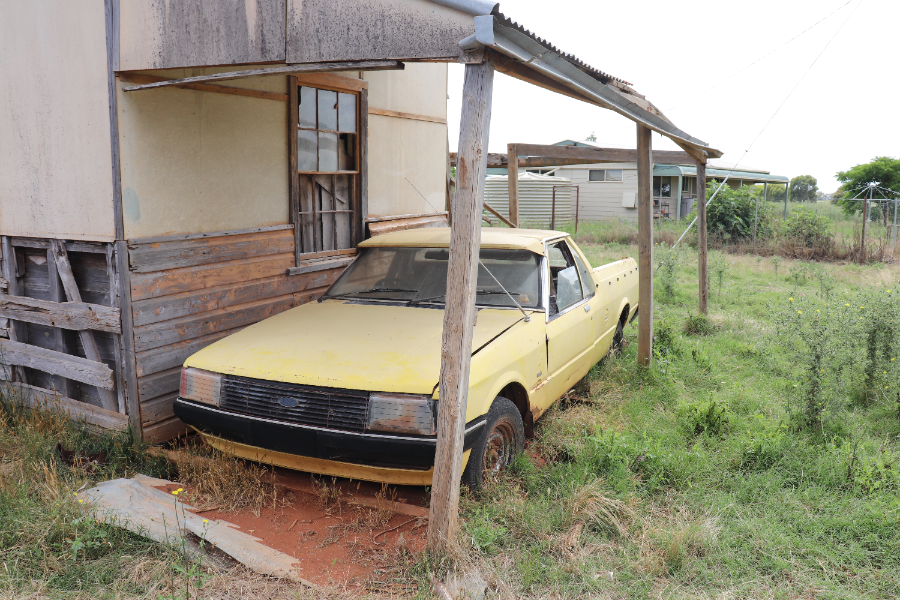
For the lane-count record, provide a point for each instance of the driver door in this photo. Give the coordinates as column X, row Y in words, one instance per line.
column 570, row 331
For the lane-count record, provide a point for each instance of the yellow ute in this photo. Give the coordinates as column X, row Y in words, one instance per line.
column 348, row 385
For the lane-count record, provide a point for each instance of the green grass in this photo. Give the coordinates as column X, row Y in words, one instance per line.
column 711, row 490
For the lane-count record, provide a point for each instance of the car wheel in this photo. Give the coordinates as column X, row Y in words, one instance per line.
column 502, row 439
column 618, row 338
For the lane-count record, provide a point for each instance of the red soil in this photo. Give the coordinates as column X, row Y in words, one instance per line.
column 344, row 544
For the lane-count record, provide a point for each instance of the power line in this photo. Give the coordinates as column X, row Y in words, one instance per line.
column 777, row 110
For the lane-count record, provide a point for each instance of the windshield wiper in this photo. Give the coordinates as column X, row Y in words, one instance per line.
column 369, row 291
column 415, row 301
column 504, row 292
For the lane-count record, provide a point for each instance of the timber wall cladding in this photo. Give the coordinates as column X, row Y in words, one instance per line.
column 189, row 293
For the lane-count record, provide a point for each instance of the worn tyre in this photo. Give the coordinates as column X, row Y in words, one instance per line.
column 502, row 438
column 618, row 338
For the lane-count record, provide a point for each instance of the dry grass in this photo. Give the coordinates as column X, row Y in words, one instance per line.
column 589, row 506
column 228, row 483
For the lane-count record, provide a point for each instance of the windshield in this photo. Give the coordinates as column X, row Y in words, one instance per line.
column 419, row 276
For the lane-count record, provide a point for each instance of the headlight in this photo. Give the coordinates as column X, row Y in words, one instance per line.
column 200, row 386
column 401, row 413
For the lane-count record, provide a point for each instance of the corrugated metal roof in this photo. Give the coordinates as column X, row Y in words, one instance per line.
column 597, row 73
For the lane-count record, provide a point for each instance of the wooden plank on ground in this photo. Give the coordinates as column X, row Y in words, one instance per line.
column 35, row 397
column 88, row 342
column 154, row 310
column 56, row 363
column 176, row 281
column 76, row 316
column 165, row 333
column 161, row 256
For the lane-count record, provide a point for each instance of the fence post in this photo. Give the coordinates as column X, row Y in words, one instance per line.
column 577, row 202
column 553, row 210
column 895, row 228
column 645, row 245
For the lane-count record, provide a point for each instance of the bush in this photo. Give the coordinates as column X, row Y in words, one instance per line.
column 808, row 229
column 731, row 216
column 710, row 417
column 699, row 325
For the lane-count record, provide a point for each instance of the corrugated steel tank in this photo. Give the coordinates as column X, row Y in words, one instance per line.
column 535, row 199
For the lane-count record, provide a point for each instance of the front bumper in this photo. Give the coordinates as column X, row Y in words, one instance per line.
column 378, row 450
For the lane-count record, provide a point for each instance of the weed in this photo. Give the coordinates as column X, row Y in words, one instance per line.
column 329, row 496
column 667, row 270
column 775, row 262
column 665, row 341
column 719, row 266
column 704, row 417
column 699, row 324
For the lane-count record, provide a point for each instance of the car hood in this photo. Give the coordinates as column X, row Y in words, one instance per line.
column 347, row 344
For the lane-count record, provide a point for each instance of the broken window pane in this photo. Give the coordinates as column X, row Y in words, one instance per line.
column 306, row 150
column 346, row 152
column 307, row 107
column 328, row 110
column 347, row 112
column 614, row 174
column 328, row 154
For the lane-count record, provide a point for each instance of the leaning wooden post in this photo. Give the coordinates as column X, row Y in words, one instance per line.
column 645, row 245
column 702, row 270
column 459, row 314
column 512, row 173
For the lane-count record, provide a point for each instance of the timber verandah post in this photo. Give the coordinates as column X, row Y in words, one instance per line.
column 703, row 271
column 462, row 271
column 645, row 245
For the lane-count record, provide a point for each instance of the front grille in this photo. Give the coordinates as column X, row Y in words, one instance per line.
column 292, row 403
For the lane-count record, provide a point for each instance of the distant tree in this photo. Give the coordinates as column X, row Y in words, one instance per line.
column 591, row 138
column 804, row 188
column 776, row 192
column 883, row 171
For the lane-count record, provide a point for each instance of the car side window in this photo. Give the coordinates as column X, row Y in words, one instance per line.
column 565, row 283
column 587, row 282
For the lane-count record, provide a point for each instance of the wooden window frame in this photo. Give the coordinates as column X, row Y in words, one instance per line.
column 309, row 261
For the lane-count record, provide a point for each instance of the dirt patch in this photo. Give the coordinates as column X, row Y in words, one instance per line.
column 346, row 534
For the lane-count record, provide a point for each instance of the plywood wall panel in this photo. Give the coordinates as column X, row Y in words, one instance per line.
column 55, row 158
column 162, row 34
column 197, row 162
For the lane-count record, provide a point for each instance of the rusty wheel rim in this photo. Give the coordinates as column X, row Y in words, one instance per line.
column 499, row 448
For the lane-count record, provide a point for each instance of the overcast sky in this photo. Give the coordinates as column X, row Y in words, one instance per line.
column 683, row 55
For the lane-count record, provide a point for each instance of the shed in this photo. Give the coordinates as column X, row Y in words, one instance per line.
column 171, row 172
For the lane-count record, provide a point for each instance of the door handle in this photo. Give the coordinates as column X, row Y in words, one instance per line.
column 587, row 308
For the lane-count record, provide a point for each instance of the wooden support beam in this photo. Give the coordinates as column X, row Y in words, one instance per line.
column 56, row 363
column 512, row 171
column 76, row 316
column 559, row 156
column 91, row 352
column 459, row 314
column 205, row 87
column 702, row 270
column 57, row 296
column 16, row 330
column 35, row 397
column 129, row 365
column 645, row 245
column 350, row 65
column 494, row 212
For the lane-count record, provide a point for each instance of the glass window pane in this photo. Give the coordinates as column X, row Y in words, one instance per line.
column 595, row 175
column 666, row 187
column 656, row 181
column 347, row 112
column 587, row 281
column 307, row 106
column 327, row 110
column 614, row 174
column 306, row 150
column 328, row 152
